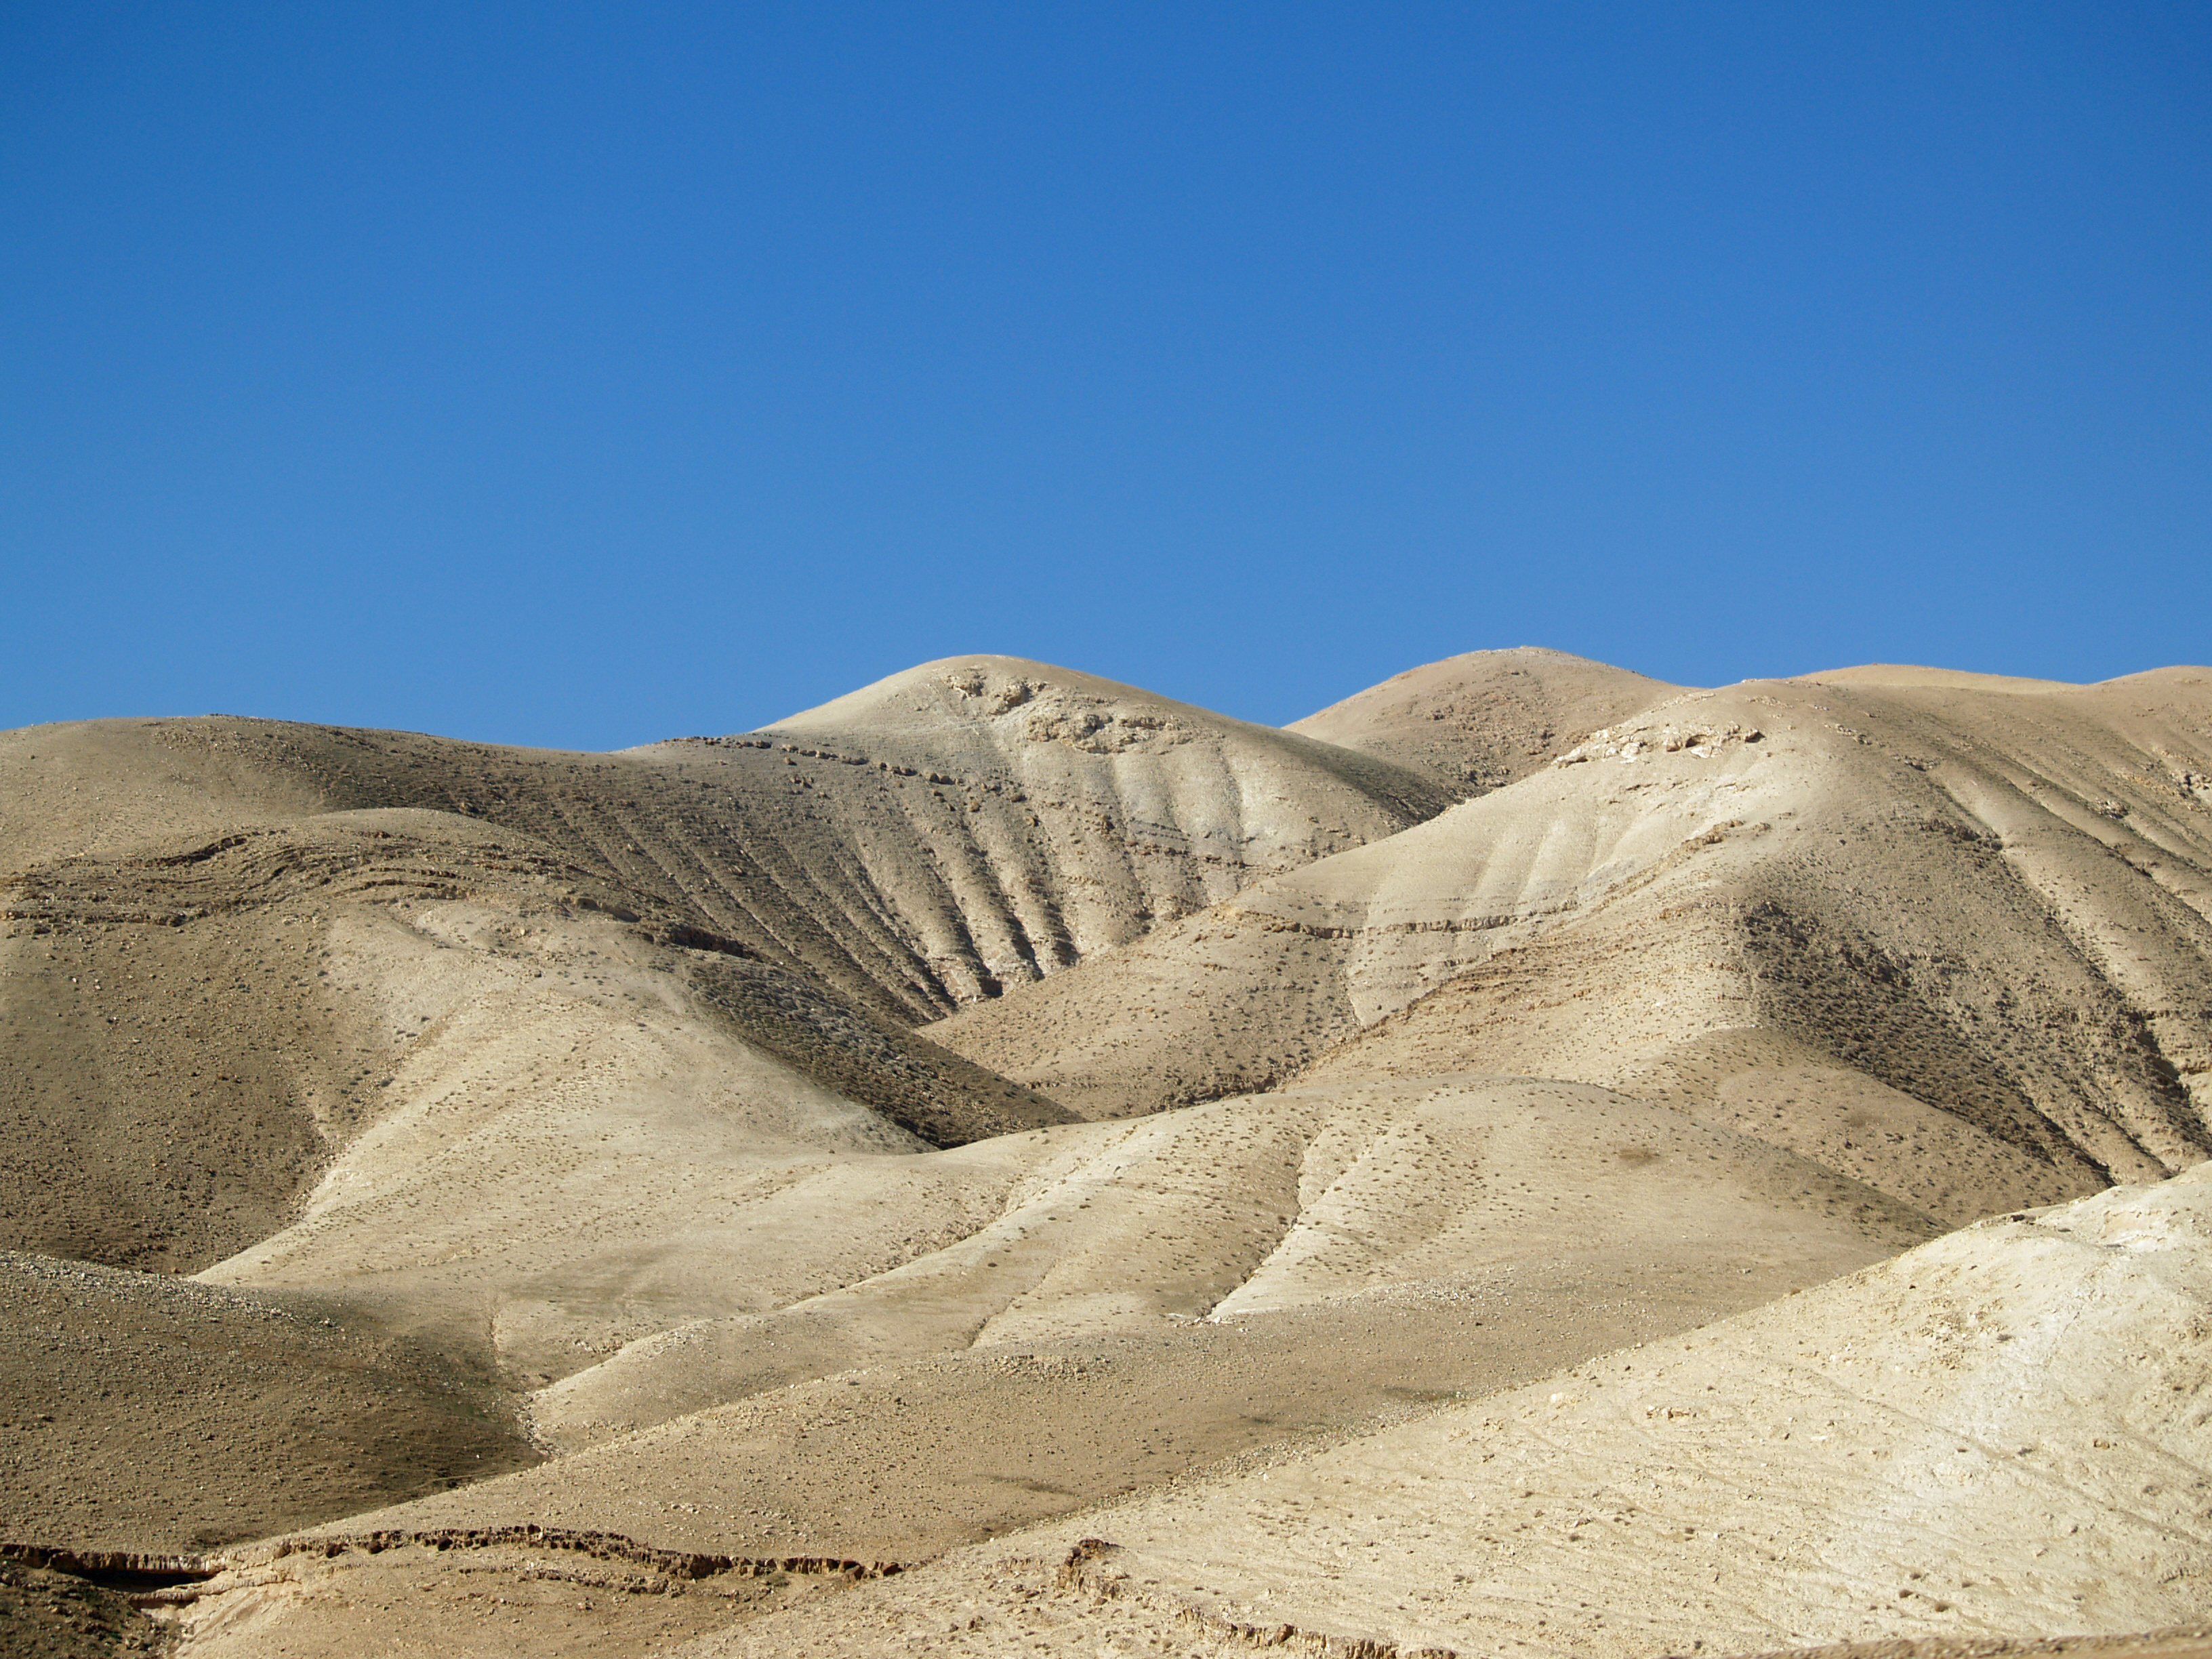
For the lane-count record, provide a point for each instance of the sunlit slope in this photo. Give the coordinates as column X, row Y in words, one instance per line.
column 1949, row 939
column 1284, row 1201
column 1317, row 1256
column 2002, row 1433
column 1480, row 720
column 663, row 1228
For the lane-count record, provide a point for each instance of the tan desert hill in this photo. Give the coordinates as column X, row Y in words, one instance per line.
column 263, row 985
column 1997, row 1437
column 967, row 822
column 542, row 1087
column 1560, row 1220
column 2001, row 1434
column 194, row 1035
column 1400, row 1214
column 1001, row 1107
column 823, row 900
column 1062, row 814
column 1950, row 940
column 1484, row 719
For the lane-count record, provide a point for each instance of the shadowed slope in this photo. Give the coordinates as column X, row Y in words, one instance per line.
column 193, row 1036
column 1081, row 812
column 913, row 845
column 148, row 1414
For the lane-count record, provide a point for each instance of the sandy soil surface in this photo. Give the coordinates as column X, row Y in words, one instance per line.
column 2181, row 1642
column 479, row 1599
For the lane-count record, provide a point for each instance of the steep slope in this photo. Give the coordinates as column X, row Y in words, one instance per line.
column 1481, row 721
column 1083, row 812
column 1882, row 926
column 913, row 845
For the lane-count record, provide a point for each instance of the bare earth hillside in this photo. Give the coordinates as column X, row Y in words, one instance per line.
column 1997, row 1434
column 1529, row 1159
column 1871, row 922
column 1482, row 720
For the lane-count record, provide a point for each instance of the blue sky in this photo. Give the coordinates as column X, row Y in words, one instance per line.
column 581, row 375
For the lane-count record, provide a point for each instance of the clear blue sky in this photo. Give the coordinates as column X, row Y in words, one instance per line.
column 581, row 375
